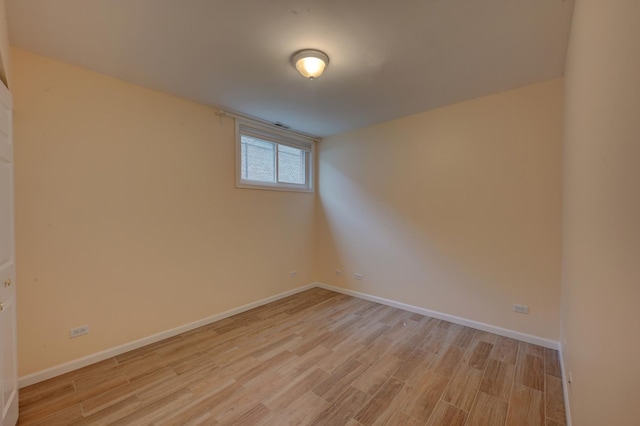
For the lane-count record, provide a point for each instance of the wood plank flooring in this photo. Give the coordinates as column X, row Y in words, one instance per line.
column 315, row 358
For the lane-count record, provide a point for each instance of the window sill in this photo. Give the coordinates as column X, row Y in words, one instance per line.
column 280, row 187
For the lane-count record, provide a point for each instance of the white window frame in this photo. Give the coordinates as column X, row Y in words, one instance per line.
column 278, row 137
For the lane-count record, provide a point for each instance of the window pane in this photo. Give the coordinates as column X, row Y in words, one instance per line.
column 258, row 160
column 291, row 165
column 273, row 160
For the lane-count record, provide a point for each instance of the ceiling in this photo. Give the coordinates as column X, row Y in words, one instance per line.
column 388, row 58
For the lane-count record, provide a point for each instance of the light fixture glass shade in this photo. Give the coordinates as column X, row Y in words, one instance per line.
column 310, row 63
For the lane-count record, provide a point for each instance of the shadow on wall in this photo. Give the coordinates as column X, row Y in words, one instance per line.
column 456, row 210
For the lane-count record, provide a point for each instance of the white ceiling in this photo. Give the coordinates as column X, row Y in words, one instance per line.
column 388, row 58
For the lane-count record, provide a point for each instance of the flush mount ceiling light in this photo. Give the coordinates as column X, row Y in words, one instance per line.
column 310, row 63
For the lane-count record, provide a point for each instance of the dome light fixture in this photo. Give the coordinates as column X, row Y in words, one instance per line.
column 310, row 62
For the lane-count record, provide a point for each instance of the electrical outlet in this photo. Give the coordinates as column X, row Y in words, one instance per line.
column 358, row 276
column 338, row 273
column 78, row 331
column 293, row 274
column 521, row 309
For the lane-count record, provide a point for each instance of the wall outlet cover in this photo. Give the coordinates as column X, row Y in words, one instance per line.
column 521, row 309
column 78, row 331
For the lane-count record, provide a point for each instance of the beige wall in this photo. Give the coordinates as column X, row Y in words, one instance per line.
column 457, row 209
column 5, row 50
column 128, row 218
column 601, row 256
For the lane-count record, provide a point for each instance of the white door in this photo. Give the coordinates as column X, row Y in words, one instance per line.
column 8, row 350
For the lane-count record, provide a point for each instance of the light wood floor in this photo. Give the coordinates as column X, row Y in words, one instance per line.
column 319, row 358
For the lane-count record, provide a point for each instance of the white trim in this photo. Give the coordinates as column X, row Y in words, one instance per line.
column 277, row 137
column 529, row 338
column 273, row 186
column 565, row 388
column 280, row 136
column 57, row 370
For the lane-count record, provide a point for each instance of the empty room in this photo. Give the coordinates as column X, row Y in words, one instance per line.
column 303, row 212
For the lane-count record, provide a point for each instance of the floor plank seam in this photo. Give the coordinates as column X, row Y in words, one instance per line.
column 346, row 352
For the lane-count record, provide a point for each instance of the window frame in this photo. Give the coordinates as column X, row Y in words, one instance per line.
column 278, row 137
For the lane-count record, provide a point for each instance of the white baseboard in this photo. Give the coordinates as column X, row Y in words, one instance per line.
column 565, row 387
column 57, row 370
column 529, row 338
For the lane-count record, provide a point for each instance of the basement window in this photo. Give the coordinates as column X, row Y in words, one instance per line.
column 269, row 158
